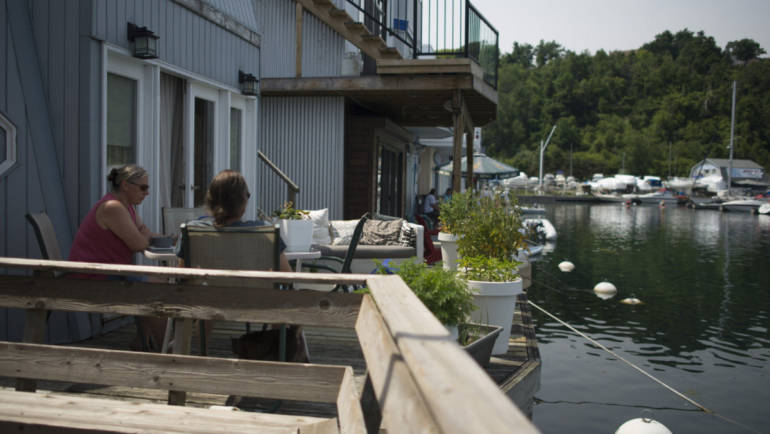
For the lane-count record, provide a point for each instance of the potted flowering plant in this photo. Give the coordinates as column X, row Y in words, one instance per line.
column 296, row 227
column 488, row 246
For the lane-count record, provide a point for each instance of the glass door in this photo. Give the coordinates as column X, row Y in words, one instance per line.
column 202, row 129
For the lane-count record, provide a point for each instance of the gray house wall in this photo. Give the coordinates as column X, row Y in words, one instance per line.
column 304, row 136
column 187, row 40
column 51, row 90
column 322, row 48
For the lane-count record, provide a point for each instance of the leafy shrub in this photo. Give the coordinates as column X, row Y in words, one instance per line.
column 288, row 212
column 441, row 291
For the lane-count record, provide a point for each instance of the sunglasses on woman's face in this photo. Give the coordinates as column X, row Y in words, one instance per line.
column 143, row 187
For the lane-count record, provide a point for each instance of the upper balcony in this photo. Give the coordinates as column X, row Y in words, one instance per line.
column 421, row 59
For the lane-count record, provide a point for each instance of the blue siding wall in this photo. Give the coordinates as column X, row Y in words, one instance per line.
column 304, row 137
column 187, row 40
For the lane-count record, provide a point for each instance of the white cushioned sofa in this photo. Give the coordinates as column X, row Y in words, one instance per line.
column 383, row 238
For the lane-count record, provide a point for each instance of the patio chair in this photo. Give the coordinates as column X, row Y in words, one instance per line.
column 174, row 217
column 46, row 237
column 230, row 248
column 344, row 264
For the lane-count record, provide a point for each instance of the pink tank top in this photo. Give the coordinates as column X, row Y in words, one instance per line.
column 94, row 244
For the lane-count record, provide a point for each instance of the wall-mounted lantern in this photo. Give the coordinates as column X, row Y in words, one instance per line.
column 145, row 42
column 249, row 84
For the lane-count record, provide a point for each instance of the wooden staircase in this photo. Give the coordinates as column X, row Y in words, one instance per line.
column 355, row 32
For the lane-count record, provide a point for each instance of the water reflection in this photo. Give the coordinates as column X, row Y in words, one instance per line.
column 704, row 279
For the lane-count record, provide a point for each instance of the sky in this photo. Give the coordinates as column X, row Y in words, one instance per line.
column 580, row 25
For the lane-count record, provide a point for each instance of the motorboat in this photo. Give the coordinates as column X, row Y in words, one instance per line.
column 662, row 195
column 743, row 205
column 532, row 210
column 764, row 209
column 679, row 184
column 648, row 183
column 542, row 227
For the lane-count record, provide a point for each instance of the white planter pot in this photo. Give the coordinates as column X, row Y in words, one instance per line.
column 297, row 235
column 448, row 250
column 496, row 302
column 453, row 330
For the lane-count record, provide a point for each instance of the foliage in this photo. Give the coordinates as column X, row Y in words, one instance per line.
column 629, row 111
column 488, row 269
column 491, row 228
column 455, row 210
column 441, row 291
column 288, row 212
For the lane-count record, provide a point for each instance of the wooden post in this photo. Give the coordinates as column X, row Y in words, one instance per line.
column 469, row 159
column 298, row 45
column 34, row 332
column 182, row 336
column 458, row 123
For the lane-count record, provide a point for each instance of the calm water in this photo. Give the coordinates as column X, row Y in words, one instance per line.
column 704, row 278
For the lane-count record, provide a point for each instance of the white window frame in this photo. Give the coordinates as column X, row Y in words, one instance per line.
column 10, row 145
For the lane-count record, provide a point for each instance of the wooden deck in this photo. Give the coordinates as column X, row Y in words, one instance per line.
column 517, row 372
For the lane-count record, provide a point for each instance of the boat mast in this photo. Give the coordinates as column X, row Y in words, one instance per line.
column 542, row 151
column 732, row 134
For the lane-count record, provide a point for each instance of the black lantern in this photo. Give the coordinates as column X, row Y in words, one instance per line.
column 249, row 84
column 145, row 42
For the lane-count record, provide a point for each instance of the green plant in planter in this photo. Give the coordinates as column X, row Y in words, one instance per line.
column 492, row 228
column 441, row 291
column 488, row 269
column 454, row 211
column 491, row 238
column 288, row 212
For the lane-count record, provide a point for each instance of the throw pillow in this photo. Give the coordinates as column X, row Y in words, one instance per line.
column 408, row 236
column 320, row 218
column 342, row 231
column 381, row 232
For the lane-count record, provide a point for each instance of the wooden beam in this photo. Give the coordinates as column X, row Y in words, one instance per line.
column 265, row 278
column 401, row 403
column 425, row 66
column 457, row 145
column 349, row 411
column 216, row 302
column 367, row 84
column 51, row 412
column 182, row 344
column 298, row 41
column 35, row 326
column 471, row 401
column 468, row 159
column 276, row 380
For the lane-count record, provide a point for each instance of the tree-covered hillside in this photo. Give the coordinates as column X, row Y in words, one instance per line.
column 668, row 101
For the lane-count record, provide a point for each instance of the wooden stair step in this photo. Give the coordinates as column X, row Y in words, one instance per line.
column 323, row 2
column 390, row 53
column 356, row 26
column 336, row 12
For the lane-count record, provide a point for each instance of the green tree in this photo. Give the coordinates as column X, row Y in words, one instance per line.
column 744, row 49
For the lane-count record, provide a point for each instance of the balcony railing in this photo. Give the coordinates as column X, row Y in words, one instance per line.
column 443, row 29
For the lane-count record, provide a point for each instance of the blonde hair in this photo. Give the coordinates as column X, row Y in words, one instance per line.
column 129, row 172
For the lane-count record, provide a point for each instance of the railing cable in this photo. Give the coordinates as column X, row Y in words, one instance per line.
column 621, row 358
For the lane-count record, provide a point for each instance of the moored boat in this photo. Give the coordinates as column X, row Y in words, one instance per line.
column 743, row 205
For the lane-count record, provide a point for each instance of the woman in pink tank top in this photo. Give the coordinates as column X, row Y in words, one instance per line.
column 112, row 231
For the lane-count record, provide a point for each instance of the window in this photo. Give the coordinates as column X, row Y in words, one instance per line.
column 235, row 139
column 121, row 120
column 7, row 144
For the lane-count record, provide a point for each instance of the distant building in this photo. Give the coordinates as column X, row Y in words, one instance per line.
column 745, row 173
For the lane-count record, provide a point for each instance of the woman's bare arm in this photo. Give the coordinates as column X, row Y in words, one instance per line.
column 114, row 216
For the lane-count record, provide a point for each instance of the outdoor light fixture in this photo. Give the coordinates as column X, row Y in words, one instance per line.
column 145, row 42
column 248, row 83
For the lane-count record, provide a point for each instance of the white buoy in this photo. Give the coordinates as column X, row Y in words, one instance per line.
column 643, row 425
column 631, row 300
column 605, row 288
column 566, row 266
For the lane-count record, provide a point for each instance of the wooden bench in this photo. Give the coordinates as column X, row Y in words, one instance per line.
column 418, row 379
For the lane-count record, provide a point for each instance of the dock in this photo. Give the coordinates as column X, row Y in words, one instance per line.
column 377, row 360
column 517, row 372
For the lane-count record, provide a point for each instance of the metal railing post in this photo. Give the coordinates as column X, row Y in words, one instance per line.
column 467, row 22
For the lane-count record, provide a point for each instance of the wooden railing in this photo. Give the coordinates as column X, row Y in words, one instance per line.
column 291, row 186
column 421, row 381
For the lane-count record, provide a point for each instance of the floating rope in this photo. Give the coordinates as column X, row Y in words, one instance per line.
column 619, row 357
